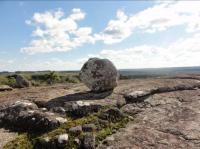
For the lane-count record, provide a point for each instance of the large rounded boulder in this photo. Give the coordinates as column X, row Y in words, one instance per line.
column 99, row 75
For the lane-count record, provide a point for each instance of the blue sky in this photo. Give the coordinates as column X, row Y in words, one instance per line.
column 47, row 35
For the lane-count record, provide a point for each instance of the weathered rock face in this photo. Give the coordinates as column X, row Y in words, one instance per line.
column 112, row 114
column 99, row 75
column 168, row 118
column 161, row 113
column 28, row 115
column 22, row 81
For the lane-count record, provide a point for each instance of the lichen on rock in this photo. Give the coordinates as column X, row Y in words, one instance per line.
column 99, row 75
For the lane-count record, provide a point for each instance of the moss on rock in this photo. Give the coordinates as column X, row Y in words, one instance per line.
column 22, row 141
column 50, row 138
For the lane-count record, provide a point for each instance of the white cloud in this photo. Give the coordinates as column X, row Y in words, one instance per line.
column 77, row 14
column 39, row 65
column 116, row 30
column 184, row 52
column 58, row 64
column 159, row 17
column 5, row 64
column 56, row 32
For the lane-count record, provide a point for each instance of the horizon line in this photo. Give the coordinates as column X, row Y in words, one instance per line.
column 117, row 69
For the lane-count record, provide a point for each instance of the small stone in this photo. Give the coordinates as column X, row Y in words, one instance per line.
column 89, row 141
column 120, row 103
column 61, row 120
column 24, row 104
column 112, row 114
column 77, row 141
column 164, row 141
column 108, row 140
column 41, row 142
column 59, row 110
column 103, row 123
column 31, row 111
column 76, row 130
column 131, row 118
column 136, row 96
column 81, row 108
column 50, row 113
column 46, row 139
column 88, row 127
column 63, row 138
column 82, row 103
column 131, row 109
column 44, row 109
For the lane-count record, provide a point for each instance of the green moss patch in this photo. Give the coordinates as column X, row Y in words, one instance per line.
column 20, row 142
column 101, row 132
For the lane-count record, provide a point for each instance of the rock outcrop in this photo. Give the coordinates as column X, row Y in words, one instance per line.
column 5, row 88
column 76, row 108
column 26, row 116
column 99, row 75
column 139, row 113
column 22, row 82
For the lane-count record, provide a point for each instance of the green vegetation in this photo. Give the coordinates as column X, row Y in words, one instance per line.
column 24, row 141
column 53, row 77
column 110, row 129
column 20, row 142
column 8, row 80
column 70, row 123
column 41, row 78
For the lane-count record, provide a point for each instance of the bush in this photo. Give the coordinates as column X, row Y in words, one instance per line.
column 49, row 78
column 11, row 81
column 72, row 79
column 52, row 77
column 8, row 80
column 3, row 80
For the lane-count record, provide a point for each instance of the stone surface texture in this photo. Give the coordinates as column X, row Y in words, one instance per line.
column 99, row 75
column 165, row 111
column 22, row 82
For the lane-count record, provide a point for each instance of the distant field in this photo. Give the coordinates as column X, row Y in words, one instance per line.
column 46, row 77
column 152, row 72
column 39, row 78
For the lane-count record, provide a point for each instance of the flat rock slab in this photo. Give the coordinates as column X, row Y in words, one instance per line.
column 148, row 84
column 75, row 92
column 6, row 136
column 40, row 94
column 5, row 88
column 168, row 120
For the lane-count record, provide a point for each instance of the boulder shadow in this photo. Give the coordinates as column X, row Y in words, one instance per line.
column 88, row 95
